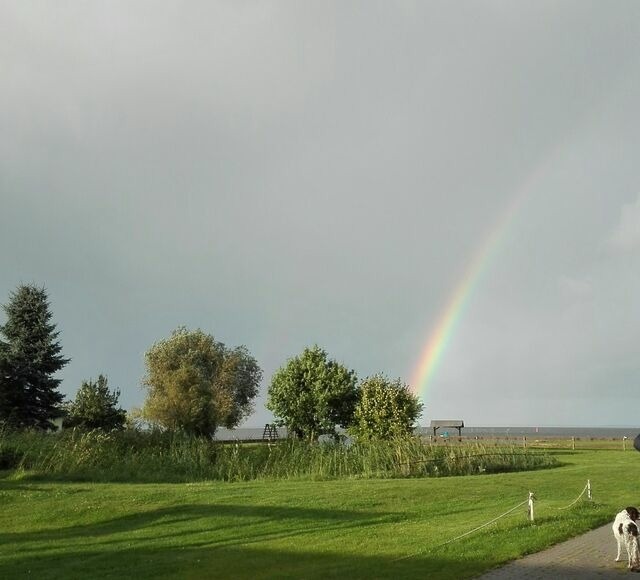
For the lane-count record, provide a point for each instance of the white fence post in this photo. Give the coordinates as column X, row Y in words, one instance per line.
column 589, row 488
column 530, row 509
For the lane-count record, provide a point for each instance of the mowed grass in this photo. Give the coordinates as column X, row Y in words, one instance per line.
column 584, row 443
column 390, row 528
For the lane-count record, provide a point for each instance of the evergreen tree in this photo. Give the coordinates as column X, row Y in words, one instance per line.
column 30, row 355
column 95, row 407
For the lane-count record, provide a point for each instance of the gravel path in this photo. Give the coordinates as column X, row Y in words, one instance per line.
column 587, row 557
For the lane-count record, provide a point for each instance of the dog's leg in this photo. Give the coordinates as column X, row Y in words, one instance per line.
column 631, row 544
column 634, row 555
column 619, row 541
column 631, row 541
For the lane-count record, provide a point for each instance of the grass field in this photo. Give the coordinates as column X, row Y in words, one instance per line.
column 302, row 529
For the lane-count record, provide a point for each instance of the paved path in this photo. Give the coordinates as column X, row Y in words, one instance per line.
column 587, row 557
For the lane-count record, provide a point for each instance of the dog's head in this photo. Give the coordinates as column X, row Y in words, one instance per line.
column 633, row 512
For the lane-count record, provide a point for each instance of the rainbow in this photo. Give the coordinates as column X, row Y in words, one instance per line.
column 436, row 344
column 448, row 320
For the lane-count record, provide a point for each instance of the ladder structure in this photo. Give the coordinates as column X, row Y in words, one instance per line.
column 270, row 432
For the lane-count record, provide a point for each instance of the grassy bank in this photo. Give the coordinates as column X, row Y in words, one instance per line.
column 300, row 529
column 577, row 443
column 165, row 457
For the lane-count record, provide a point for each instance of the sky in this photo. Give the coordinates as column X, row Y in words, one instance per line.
column 283, row 174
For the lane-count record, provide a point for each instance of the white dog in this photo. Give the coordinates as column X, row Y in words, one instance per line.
column 625, row 529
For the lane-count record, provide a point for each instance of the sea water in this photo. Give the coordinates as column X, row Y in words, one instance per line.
column 255, row 433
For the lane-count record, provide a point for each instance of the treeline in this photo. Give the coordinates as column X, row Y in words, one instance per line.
column 194, row 384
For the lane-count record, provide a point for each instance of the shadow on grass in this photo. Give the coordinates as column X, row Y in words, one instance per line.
column 232, row 541
column 209, row 518
column 207, row 541
column 194, row 559
column 23, row 488
column 24, row 485
column 239, row 562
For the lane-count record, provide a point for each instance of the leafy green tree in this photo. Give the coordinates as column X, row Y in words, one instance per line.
column 96, row 407
column 385, row 409
column 30, row 355
column 195, row 383
column 312, row 394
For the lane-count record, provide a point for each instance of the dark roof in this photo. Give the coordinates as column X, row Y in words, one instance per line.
column 452, row 423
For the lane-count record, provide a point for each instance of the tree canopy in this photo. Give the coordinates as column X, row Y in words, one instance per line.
column 30, row 355
column 312, row 394
column 195, row 383
column 385, row 409
column 95, row 407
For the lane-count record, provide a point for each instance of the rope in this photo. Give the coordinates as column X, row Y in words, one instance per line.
column 484, row 525
column 526, row 501
column 469, row 532
column 575, row 500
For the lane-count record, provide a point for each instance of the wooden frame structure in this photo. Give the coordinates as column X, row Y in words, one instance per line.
column 270, row 432
column 435, row 425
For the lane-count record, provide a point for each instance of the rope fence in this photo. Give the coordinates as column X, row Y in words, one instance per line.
column 587, row 490
column 529, row 502
column 483, row 525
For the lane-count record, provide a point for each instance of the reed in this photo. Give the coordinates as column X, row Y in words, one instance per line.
column 175, row 457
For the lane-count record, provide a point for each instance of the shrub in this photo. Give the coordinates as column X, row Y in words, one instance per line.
column 385, row 409
column 10, row 458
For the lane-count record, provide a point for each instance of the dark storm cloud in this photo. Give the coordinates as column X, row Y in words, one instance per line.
column 280, row 174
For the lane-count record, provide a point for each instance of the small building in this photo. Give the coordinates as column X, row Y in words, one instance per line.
column 451, row 424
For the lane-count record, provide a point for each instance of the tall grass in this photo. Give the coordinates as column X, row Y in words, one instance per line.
column 171, row 457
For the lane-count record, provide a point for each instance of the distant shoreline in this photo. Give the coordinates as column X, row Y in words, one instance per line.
column 249, row 433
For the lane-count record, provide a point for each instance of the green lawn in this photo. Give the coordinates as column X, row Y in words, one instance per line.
column 301, row 529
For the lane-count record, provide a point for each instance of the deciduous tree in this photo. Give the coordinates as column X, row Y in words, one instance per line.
column 385, row 409
column 312, row 394
column 195, row 383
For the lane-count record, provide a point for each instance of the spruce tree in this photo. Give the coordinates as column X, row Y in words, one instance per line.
column 30, row 355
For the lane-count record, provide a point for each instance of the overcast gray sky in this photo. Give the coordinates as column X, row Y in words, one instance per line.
column 281, row 174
